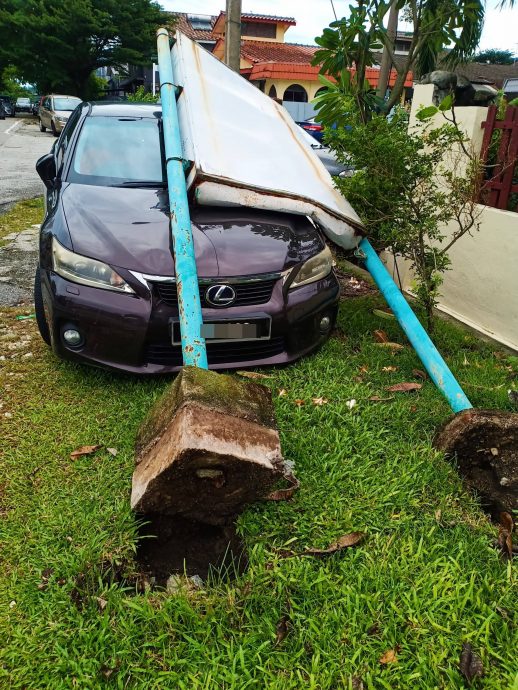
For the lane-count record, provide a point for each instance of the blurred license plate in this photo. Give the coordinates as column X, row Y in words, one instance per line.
column 220, row 331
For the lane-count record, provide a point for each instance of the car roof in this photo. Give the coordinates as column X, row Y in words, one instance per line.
column 117, row 108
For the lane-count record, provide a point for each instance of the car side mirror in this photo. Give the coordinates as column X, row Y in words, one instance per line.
column 46, row 169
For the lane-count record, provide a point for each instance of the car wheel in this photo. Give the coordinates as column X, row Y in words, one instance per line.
column 38, row 308
column 53, row 128
column 42, row 128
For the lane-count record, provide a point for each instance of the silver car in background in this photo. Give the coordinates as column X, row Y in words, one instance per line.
column 54, row 112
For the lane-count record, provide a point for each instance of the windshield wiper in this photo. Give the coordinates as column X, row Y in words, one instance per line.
column 140, row 183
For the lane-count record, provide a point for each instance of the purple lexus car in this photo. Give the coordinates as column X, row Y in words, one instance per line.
column 105, row 290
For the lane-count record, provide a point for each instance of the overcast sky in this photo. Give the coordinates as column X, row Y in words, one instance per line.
column 500, row 29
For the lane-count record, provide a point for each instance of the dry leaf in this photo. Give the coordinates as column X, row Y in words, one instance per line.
column 101, row 603
column 364, row 369
column 283, row 392
column 298, row 402
column 112, row 451
column 404, row 387
column 470, row 663
column 345, row 541
column 285, row 494
column 391, row 346
column 389, row 657
column 494, row 451
column 420, row 374
column 319, row 401
column 380, row 336
column 253, row 375
column 388, row 368
column 84, row 450
column 505, row 535
column 438, row 515
column 376, row 398
column 281, row 630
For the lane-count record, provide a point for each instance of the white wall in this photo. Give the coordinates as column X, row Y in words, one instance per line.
column 481, row 288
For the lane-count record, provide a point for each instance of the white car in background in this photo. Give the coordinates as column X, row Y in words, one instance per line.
column 54, row 112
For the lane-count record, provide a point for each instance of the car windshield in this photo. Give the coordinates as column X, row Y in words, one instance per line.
column 66, row 103
column 118, row 150
column 24, row 100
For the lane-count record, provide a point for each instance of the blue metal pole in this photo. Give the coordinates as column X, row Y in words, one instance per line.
column 428, row 353
column 193, row 345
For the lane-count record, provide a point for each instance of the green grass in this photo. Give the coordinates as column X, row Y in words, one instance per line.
column 21, row 216
column 421, row 583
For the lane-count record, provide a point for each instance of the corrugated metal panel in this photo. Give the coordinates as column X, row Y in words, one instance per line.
column 246, row 149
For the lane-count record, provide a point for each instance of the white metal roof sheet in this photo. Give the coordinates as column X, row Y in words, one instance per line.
column 247, row 150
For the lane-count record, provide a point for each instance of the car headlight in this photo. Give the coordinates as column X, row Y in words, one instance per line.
column 81, row 269
column 313, row 269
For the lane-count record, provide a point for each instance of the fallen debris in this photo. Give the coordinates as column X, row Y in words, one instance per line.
column 208, row 448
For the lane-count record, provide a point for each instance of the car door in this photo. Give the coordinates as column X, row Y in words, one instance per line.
column 44, row 113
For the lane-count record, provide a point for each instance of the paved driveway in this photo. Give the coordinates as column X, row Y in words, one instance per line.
column 21, row 144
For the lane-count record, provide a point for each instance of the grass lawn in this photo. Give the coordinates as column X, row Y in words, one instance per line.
column 426, row 579
column 20, row 217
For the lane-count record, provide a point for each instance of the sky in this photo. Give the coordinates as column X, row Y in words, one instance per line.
column 500, row 28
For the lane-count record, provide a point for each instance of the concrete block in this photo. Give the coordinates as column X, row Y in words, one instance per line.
column 208, row 448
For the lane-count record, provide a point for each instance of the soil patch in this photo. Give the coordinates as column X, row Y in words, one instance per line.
column 485, row 445
column 173, row 544
column 351, row 286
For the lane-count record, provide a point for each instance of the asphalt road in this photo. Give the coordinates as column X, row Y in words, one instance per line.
column 21, row 144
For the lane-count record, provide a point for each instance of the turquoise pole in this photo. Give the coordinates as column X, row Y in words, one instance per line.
column 193, row 345
column 426, row 350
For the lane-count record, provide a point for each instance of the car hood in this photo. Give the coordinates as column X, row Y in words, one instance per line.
column 129, row 228
column 63, row 113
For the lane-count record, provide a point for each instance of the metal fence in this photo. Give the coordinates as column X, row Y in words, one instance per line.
column 500, row 158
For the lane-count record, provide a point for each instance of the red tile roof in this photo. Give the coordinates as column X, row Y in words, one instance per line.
column 305, row 72
column 292, row 61
column 266, row 51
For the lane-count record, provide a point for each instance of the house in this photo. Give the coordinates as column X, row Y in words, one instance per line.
column 280, row 69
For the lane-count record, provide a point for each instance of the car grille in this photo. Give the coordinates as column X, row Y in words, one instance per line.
column 257, row 292
column 217, row 353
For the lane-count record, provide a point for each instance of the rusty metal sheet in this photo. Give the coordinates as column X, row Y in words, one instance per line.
column 247, row 150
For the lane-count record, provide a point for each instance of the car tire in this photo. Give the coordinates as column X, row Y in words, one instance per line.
column 53, row 128
column 39, row 309
column 42, row 128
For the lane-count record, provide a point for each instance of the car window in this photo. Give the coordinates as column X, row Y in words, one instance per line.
column 65, row 137
column 114, row 150
column 46, row 104
column 67, row 103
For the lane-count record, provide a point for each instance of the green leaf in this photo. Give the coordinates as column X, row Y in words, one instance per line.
column 446, row 103
column 427, row 113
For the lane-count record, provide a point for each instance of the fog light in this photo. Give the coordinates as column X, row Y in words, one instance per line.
column 325, row 324
column 72, row 337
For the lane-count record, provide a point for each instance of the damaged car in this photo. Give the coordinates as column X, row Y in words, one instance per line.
column 105, row 289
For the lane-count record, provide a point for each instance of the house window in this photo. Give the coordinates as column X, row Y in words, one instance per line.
column 402, row 46
column 272, row 92
column 296, row 94
column 259, row 29
column 321, row 90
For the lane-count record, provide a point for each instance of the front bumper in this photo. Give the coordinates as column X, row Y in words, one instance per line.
column 132, row 332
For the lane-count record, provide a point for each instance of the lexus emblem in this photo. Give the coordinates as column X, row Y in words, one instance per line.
column 220, row 295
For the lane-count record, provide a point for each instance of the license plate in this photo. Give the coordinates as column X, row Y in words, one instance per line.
column 226, row 329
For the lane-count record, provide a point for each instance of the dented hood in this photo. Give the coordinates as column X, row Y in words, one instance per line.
column 247, row 151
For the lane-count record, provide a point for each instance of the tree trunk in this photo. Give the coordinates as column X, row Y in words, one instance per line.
column 386, row 62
